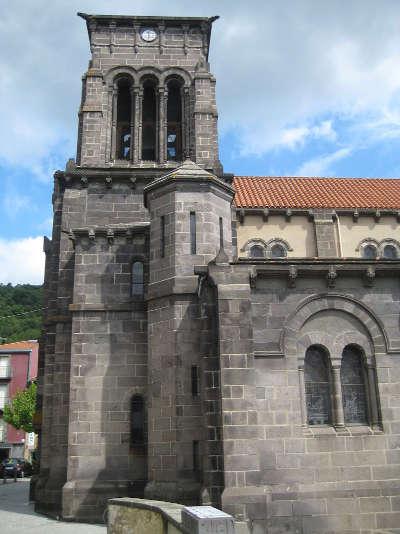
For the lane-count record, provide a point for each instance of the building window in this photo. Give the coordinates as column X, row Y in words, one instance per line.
column 124, row 119
column 317, row 386
column 149, row 121
column 195, row 380
column 353, row 379
column 278, row 251
column 390, row 252
column 137, row 287
column 257, row 251
column 162, row 235
column 174, row 121
column 369, row 252
column 138, row 423
column 221, row 233
column 193, row 244
column 196, row 459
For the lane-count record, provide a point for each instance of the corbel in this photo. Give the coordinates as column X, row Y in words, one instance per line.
column 370, row 275
column 292, row 275
column 288, row 214
column 331, row 276
column 356, row 215
column 110, row 236
column 253, row 278
column 84, row 181
column 92, row 234
column 185, row 38
column 135, row 38
column 108, row 181
column 129, row 235
column 265, row 214
column 377, row 215
column 113, row 25
column 132, row 182
column 72, row 238
column 161, row 28
column 241, row 216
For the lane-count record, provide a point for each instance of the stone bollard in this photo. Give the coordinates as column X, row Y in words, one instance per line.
column 206, row 520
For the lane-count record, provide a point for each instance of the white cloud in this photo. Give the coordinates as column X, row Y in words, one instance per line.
column 321, row 165
column 280, row 67
column 22, row 261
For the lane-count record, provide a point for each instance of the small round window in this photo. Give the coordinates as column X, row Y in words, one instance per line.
column 278, row 251
column 390, row 252
column 369, row 252
column 257, row 251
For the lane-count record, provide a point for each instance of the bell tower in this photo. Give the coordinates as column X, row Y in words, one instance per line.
column 148, row 108
column 148, row 97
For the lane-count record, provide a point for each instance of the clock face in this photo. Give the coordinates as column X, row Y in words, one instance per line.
column 148, row 34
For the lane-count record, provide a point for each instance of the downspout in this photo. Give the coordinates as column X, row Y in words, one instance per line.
column 28, row 372
column 339, row 236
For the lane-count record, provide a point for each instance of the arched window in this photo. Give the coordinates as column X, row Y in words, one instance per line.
column 278, row 251
column 257, row 251
column 369, row 252
column 138, row 421
column 149, row 121
column 390, row 252
column 174, row 121
column 352, row 376
column 137, row 281
column 124, row 119
column 317, row 386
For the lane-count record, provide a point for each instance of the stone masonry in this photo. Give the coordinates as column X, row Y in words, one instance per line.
column 214, row 346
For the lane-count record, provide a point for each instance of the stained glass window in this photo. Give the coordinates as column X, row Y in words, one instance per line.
column 353, row 386
column 257, row 251
column 316, row 378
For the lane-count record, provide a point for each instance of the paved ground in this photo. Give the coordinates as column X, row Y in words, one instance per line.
column 17, row 515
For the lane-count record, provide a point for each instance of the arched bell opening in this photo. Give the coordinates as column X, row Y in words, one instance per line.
column 124, row 126
column 174, row 120
column 149, row 121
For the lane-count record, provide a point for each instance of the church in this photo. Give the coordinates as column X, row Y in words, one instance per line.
column 211, row 338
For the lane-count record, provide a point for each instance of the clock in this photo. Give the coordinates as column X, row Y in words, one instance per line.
column 148, row 34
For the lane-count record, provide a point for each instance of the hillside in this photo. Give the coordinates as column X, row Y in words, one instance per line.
column 16, row 301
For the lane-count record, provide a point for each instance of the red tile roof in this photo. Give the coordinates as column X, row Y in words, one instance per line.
column 19, row 345
column 267, row 192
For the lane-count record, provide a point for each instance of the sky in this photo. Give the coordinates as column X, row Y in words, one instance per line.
column 304, row 88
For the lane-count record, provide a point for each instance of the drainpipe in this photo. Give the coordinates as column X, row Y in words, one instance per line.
column 339, row 236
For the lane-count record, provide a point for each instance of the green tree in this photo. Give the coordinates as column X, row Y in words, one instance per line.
column 19, row 413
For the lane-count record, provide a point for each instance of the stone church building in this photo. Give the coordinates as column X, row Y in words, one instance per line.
column 211, row 338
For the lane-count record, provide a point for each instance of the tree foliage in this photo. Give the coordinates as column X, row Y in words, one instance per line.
column 19, row 413
column 15, row 323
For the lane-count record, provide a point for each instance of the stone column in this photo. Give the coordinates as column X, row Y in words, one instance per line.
column 132, row 122
column 337, row 397
column 185, row 122
column 162, row 124
column 373, row 399
column 138, row 122
column 137, row 119
column 113, row 153
column 109, row 119
column 303, row 405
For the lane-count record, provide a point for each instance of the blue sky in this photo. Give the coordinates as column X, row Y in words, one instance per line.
column 304, row 88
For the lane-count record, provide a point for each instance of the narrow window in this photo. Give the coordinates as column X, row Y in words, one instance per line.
column 278, row 251
column 149, row 119
column 138, row 433
column 390, row 252
column 174, row 122
column 137, row 289
column 369, row 252
column 221, row 233
column 124, row 114
column 193, row 248
column 353, row 386
column 162, row 235
column 318, row 395
column 195, row 381
column 257, row 251
column 196, row 458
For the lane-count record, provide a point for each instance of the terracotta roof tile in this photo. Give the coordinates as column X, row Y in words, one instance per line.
column 23, row 345
column 286, row 192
